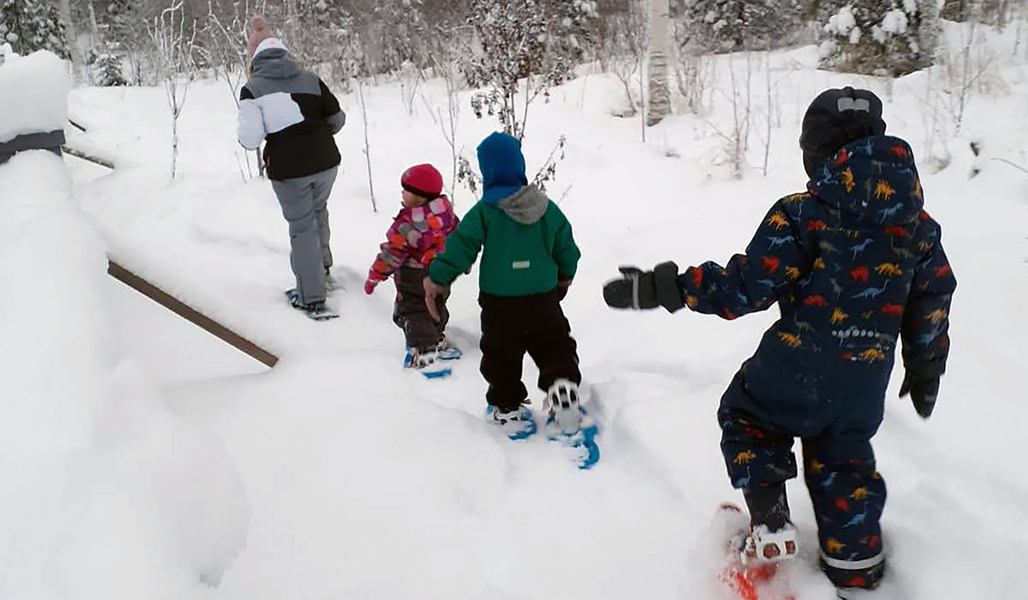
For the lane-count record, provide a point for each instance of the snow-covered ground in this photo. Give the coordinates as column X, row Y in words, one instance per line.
column 362, row 481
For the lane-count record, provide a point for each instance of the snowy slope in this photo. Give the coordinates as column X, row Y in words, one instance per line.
column 366, row 482
column 106, row 494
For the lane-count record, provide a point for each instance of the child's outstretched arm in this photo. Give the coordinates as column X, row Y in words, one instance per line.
column 750, row 282
column 462, row 248
column 925, row 329
column 393, row 253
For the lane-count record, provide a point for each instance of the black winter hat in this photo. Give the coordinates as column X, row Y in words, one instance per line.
column 835, row 118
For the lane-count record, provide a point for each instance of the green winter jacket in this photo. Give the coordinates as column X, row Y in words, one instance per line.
column 528, row 246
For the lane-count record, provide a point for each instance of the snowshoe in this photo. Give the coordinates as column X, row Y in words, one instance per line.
column 753, row 555
column 570, row 425
column 448, row 351
column 517, row 424
column 316, row 311
column 763, row 545
column 426, row 362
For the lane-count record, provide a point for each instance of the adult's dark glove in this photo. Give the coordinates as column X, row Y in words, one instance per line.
column 923, row 391
column 645, row 290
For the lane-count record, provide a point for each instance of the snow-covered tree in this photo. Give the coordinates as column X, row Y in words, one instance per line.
column 884, row 38
column 540, row 43
column 623, row 41
column 990, row 12
column 123, row 25
column 173, row 37
column 319, row 33
column 30, row 25
column 731, row 25
column 106, row 62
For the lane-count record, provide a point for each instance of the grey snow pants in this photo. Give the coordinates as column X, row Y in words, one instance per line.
column 304, row 202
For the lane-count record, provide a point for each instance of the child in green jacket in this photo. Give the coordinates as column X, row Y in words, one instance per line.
column 529, row 258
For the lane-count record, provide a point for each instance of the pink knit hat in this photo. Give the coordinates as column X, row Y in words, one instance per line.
column 260, row 33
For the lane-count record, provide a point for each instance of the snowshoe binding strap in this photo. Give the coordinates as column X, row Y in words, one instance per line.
column 563, row 402
column 419, row 359
column 764, row 546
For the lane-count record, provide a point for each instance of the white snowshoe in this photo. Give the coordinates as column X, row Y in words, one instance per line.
column 754, row 555
column 570, row 425
column 517, row 424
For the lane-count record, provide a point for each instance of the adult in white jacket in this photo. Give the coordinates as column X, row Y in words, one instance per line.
column 295, row 114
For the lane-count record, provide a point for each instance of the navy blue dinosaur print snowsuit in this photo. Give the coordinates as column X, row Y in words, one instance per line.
column 855, row 264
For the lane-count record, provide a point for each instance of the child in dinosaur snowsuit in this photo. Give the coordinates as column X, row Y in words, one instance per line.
column 417, row 235
column 529, row 258
column 855, row 264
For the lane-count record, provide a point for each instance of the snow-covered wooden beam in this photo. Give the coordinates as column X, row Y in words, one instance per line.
column 96, row 160
column 190, row 314
column 40, row 140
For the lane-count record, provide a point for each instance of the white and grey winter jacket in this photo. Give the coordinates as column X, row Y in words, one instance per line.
column 293, row 110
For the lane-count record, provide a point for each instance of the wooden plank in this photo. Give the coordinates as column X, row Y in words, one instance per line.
column 80, row 154
column 190, row 314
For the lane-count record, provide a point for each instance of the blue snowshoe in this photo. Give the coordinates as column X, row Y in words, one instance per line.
column 519, row 424
column 570, row 425
column 448, row 351
column 426, row 362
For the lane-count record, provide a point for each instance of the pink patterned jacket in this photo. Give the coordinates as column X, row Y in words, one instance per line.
column 417, row 235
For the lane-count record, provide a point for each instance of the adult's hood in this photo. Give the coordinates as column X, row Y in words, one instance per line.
column 274, row 63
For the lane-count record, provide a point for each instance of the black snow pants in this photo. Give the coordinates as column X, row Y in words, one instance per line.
column 410, row 313
column 514, row 325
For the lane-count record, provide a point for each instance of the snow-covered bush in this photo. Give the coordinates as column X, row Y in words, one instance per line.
column 540, row 43
column 30, row 25
column 881, row 38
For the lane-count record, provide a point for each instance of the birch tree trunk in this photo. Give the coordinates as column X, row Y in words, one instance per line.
column 659, row 105
column 71, row 39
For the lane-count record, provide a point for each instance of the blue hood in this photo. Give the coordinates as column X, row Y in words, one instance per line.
column 873, row 179
column 502, row 165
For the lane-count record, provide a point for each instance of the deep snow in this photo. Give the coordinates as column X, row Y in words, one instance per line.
column 32, row 94
column 366, row 482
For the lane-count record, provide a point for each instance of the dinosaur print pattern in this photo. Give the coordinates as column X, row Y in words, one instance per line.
column 889, row 270
column 857, row 249
column 840, row 255
column 858, row 271
column 847, row 492
column 884, row 191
